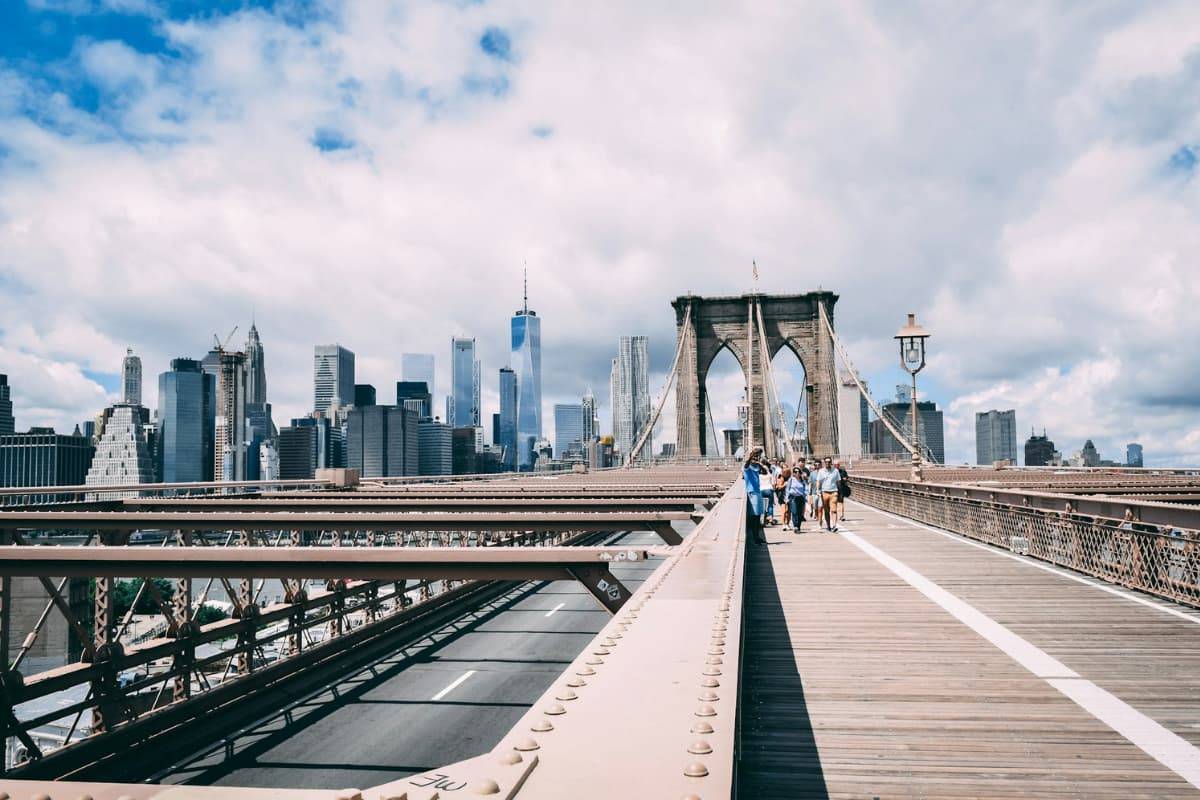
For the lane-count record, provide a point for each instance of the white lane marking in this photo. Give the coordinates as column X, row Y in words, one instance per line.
column 550, row 613
column 457, row 682
column 955, row 537
column 1172, row 751
column 1026, row 654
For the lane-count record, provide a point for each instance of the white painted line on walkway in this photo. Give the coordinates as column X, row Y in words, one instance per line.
column 550, row 613
column 1031, row 562
column 457, row 682
column 1172, row 751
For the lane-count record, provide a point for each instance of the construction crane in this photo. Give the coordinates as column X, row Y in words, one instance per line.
column 218, row 345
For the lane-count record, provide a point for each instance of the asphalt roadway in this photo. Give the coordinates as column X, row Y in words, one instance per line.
column 446, row 697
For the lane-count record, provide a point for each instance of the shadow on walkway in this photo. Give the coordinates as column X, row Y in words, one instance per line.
column 779, row 757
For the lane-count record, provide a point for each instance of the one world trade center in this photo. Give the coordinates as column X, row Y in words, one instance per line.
column 527, row 364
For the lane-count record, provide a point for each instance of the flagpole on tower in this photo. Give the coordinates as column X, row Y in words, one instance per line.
column 754, row 268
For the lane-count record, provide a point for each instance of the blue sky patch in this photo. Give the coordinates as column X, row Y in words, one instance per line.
column 1183, row 161
column 328, row 140
column 542, row 131
column 111, row 381
column 496, row 43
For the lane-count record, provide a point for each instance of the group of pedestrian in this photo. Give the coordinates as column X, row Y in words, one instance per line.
column 816, row 488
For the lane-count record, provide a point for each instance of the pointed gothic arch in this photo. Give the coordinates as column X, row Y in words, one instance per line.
column 717, row 323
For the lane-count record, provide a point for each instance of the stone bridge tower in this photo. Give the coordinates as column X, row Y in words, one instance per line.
column 791, row 320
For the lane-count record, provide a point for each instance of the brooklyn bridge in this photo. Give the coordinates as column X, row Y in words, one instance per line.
column 968, row 632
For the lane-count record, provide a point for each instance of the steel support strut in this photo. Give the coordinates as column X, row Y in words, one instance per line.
column 602, row 585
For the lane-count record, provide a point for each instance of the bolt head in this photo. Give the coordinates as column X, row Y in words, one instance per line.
column 695, row 770
column 542, row 726
column 710, row 683
column 699, row 748
column 510, row 758
column 348, row 794
column 565, row 694
column 706, row 711
column 712, row 671
column 576, row 682
column 526, row 744
column 601, row 651
column 554, row 709
column 585, row 671
column 702, row 728
column 485, row 787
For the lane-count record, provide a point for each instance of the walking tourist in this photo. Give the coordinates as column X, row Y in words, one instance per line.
column 796, row 493
column 754, row 498
column 843, row 489
column 827, row 482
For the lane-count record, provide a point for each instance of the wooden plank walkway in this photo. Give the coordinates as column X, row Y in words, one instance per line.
column 855, row 684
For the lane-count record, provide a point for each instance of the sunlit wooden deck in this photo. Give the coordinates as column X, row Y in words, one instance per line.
column 858, row 684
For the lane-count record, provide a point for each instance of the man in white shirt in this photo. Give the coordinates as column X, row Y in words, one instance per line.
column 827, row 483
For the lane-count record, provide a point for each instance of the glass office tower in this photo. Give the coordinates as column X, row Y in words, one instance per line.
column 462, row 406
column 527, row 365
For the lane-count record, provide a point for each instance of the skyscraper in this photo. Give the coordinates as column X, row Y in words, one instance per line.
column 42, row 457
column 256, row 369
column 230, row 434
column 333, row 377
column 308, row 444
column 262, row 431
column 131, row 379
column 462, row 405
column 526, row 363
column 123, row 454
column 591, row 421
column 418, row 368
column 930, row 431
column 508, row 418
column 1039, row 451
column 849, row 411
column 631, row 394
column 1133, row 455
column 416, row 395
column 568, row 430
column 382, row 441
column 7, row 423
column 435, row 449
column 995, row 436
column 186, row 422
column 364, row 394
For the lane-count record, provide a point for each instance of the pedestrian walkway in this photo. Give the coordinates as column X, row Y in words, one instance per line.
column 892, row 660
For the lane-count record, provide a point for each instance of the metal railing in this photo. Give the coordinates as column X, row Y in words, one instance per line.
column 1137, row 547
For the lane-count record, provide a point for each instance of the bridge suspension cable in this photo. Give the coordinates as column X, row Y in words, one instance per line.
column 841, row 351
column 769, row 372
column 645, row 435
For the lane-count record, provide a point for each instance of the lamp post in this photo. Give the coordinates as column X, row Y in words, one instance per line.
column 912, row 357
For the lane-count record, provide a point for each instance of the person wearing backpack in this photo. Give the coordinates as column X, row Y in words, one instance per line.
column 843, row 489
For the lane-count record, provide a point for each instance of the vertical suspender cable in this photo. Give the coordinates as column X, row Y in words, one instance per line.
column 769, row 372
column 641, row 442
column 858, row 382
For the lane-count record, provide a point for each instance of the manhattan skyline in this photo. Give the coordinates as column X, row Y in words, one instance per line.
column 162, row 179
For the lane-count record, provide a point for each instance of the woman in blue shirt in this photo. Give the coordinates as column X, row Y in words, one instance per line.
column 754, row 497
column 795, row 493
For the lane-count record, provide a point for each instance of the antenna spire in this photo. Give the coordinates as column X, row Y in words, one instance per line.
column 525, row 269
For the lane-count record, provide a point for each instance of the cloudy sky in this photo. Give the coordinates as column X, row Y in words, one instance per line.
column 375, row 173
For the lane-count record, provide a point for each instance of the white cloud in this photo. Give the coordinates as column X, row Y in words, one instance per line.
column 990, row 168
